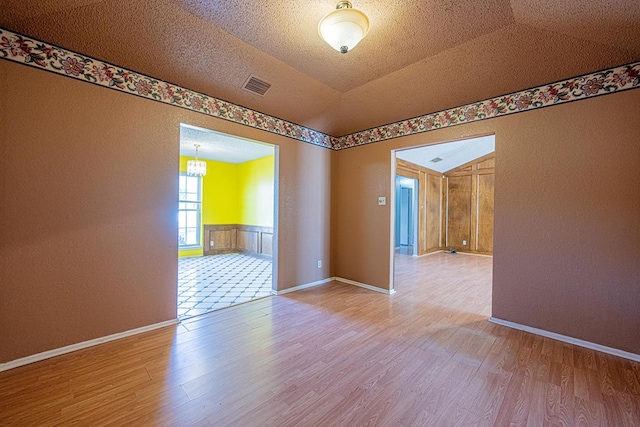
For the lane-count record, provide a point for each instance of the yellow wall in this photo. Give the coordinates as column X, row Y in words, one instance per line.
column 255, row 191
column 235, row 194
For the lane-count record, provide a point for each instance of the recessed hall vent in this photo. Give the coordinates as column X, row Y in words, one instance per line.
column 435, row 160
column 255, row 85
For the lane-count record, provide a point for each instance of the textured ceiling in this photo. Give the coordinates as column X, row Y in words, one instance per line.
column 220, row 147
column 453, row 154
column 419, row 56
column 400, row 32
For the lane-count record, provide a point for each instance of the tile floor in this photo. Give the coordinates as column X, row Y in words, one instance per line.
column 213, row 282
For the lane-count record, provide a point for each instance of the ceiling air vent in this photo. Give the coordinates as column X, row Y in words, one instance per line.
column 435, row 160
column 255, row 85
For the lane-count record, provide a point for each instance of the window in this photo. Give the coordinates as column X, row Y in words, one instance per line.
column 189, row 210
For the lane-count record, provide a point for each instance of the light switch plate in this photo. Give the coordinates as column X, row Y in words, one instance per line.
column 382, row 201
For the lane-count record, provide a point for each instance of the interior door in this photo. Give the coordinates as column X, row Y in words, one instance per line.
column 406, row 216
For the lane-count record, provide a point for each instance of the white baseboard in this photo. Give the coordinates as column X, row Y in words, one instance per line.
column 567, row 339
column 365, row 286
column 300, row 287
column 431, row 253
column 85, row 344
column 472, row 254
column 337, row 279
column 442, row 251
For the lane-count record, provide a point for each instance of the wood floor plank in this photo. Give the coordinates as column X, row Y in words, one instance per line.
column 335, row 355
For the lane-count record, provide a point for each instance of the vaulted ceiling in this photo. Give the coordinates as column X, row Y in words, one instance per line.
column 420, row 56
column 449, row 155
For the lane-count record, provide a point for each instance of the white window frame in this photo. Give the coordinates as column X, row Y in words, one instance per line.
column 198, row 210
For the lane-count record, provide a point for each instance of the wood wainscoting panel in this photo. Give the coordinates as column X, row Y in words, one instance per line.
column 459, row 210
column 230, row 238
column 485, row 213
column 219, row 239
column 247, row 241
column 266, row 245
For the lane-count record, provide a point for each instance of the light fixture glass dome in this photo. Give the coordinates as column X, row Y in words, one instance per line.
column 343, row 28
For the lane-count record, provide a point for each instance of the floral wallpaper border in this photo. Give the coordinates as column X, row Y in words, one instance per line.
column 25, row 50
column 22, row 49
column 586, row 86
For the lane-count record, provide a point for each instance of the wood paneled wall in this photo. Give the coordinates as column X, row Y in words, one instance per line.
column 458, row 211
column 433, row 220
column 469, row 206
column 455, row 211
column 230, row 238
column 430, row 236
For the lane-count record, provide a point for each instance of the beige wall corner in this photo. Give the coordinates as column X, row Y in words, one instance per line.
column 566, row 216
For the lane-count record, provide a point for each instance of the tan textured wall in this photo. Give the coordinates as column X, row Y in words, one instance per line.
column 88, row 200
column 567, row 221
column 567, row 216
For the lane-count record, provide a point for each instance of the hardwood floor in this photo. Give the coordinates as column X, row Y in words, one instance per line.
column 335, row 355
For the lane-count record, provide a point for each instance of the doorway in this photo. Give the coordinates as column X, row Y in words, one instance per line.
column 227, row 228
column 406, row 215
column 443, row 211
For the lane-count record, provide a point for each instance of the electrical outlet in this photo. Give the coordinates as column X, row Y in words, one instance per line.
column 320, row 264
column 464, row 243
column 382, row 201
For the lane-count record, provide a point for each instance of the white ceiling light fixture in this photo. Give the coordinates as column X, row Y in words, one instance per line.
column 196, row 167
column 343, row 28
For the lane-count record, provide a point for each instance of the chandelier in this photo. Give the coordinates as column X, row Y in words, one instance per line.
column 196, row 167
